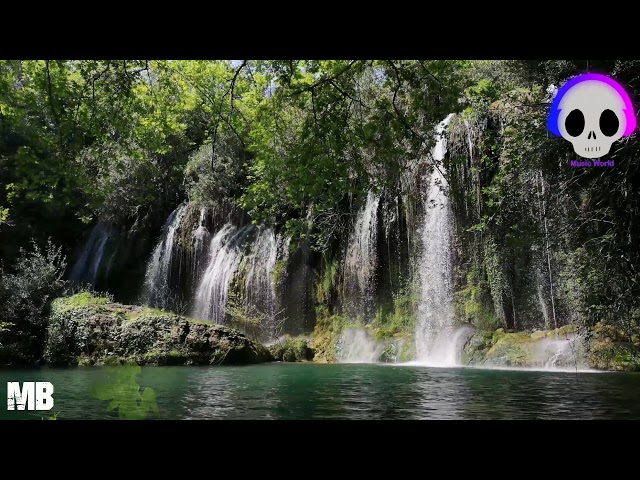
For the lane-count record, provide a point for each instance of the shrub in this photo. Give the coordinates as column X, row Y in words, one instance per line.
column 212, row 178
column 25, row 295
column 287, row 349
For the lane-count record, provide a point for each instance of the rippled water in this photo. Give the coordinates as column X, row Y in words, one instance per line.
column 312, row 391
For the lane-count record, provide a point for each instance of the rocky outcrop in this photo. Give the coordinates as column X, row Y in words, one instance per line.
column 89, row 330
column 611, row 349
column 544, row 348
column 603, row 348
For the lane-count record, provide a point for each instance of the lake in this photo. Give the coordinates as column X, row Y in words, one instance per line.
column 342, row 391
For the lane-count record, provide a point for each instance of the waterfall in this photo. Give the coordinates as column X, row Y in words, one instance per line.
column 157, row 287
column 437, row 341
column 201, row 234
column 248, row 253
column 199, row 251
column 187, row 261
column 543, row 305
column 224, row 258
column 89, row 265
column 361, row 261
column 260, row 285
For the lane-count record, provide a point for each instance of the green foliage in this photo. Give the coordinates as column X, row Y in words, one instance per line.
column 215, row 178
column 289, row 349
column 125, row 394
column 552, row 242
column 85, row 138
column 496, row 279
column 473, row 304
column 327, row 281
column 325, row 335
column 25, row 295
column 483, row 93
column 397, row 319
column 279, row 271
column 334, row 129
column 4, row 215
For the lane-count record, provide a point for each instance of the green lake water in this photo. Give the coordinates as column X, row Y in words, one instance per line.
column 344, row 391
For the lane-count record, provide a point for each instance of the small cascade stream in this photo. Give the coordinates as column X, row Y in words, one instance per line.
column 260, row 286
column 361, row 261
column 199, row 252
column 157, row 287
column 90, row 265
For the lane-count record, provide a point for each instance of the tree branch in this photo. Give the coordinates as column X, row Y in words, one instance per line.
column 401, row 115
column 324, row 80
column 53, row 109
column 231, row 91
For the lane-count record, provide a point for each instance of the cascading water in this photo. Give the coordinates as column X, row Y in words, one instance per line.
column 199, row 250
column 157, row 287
column 361, row 261
column 191, row 259
column 225, row 254
column 250, row 253
column 89, row 265
column 260, row 285
column 438, row 342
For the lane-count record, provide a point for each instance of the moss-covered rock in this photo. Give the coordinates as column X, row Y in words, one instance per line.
column 619, row 357
column 407, row 350
column 325, row 336
column 89, row 330
column 290, row 349
column 559, row 332
column 476, row 347
column 510, row 349
column 611, row 349
column 523, row 349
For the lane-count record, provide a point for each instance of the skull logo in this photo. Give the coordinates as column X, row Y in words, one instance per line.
column 592, row 111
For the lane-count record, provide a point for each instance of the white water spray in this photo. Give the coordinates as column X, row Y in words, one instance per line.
column 357, row 346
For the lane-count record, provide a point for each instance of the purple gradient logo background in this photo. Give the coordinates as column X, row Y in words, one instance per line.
column 592, row 111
